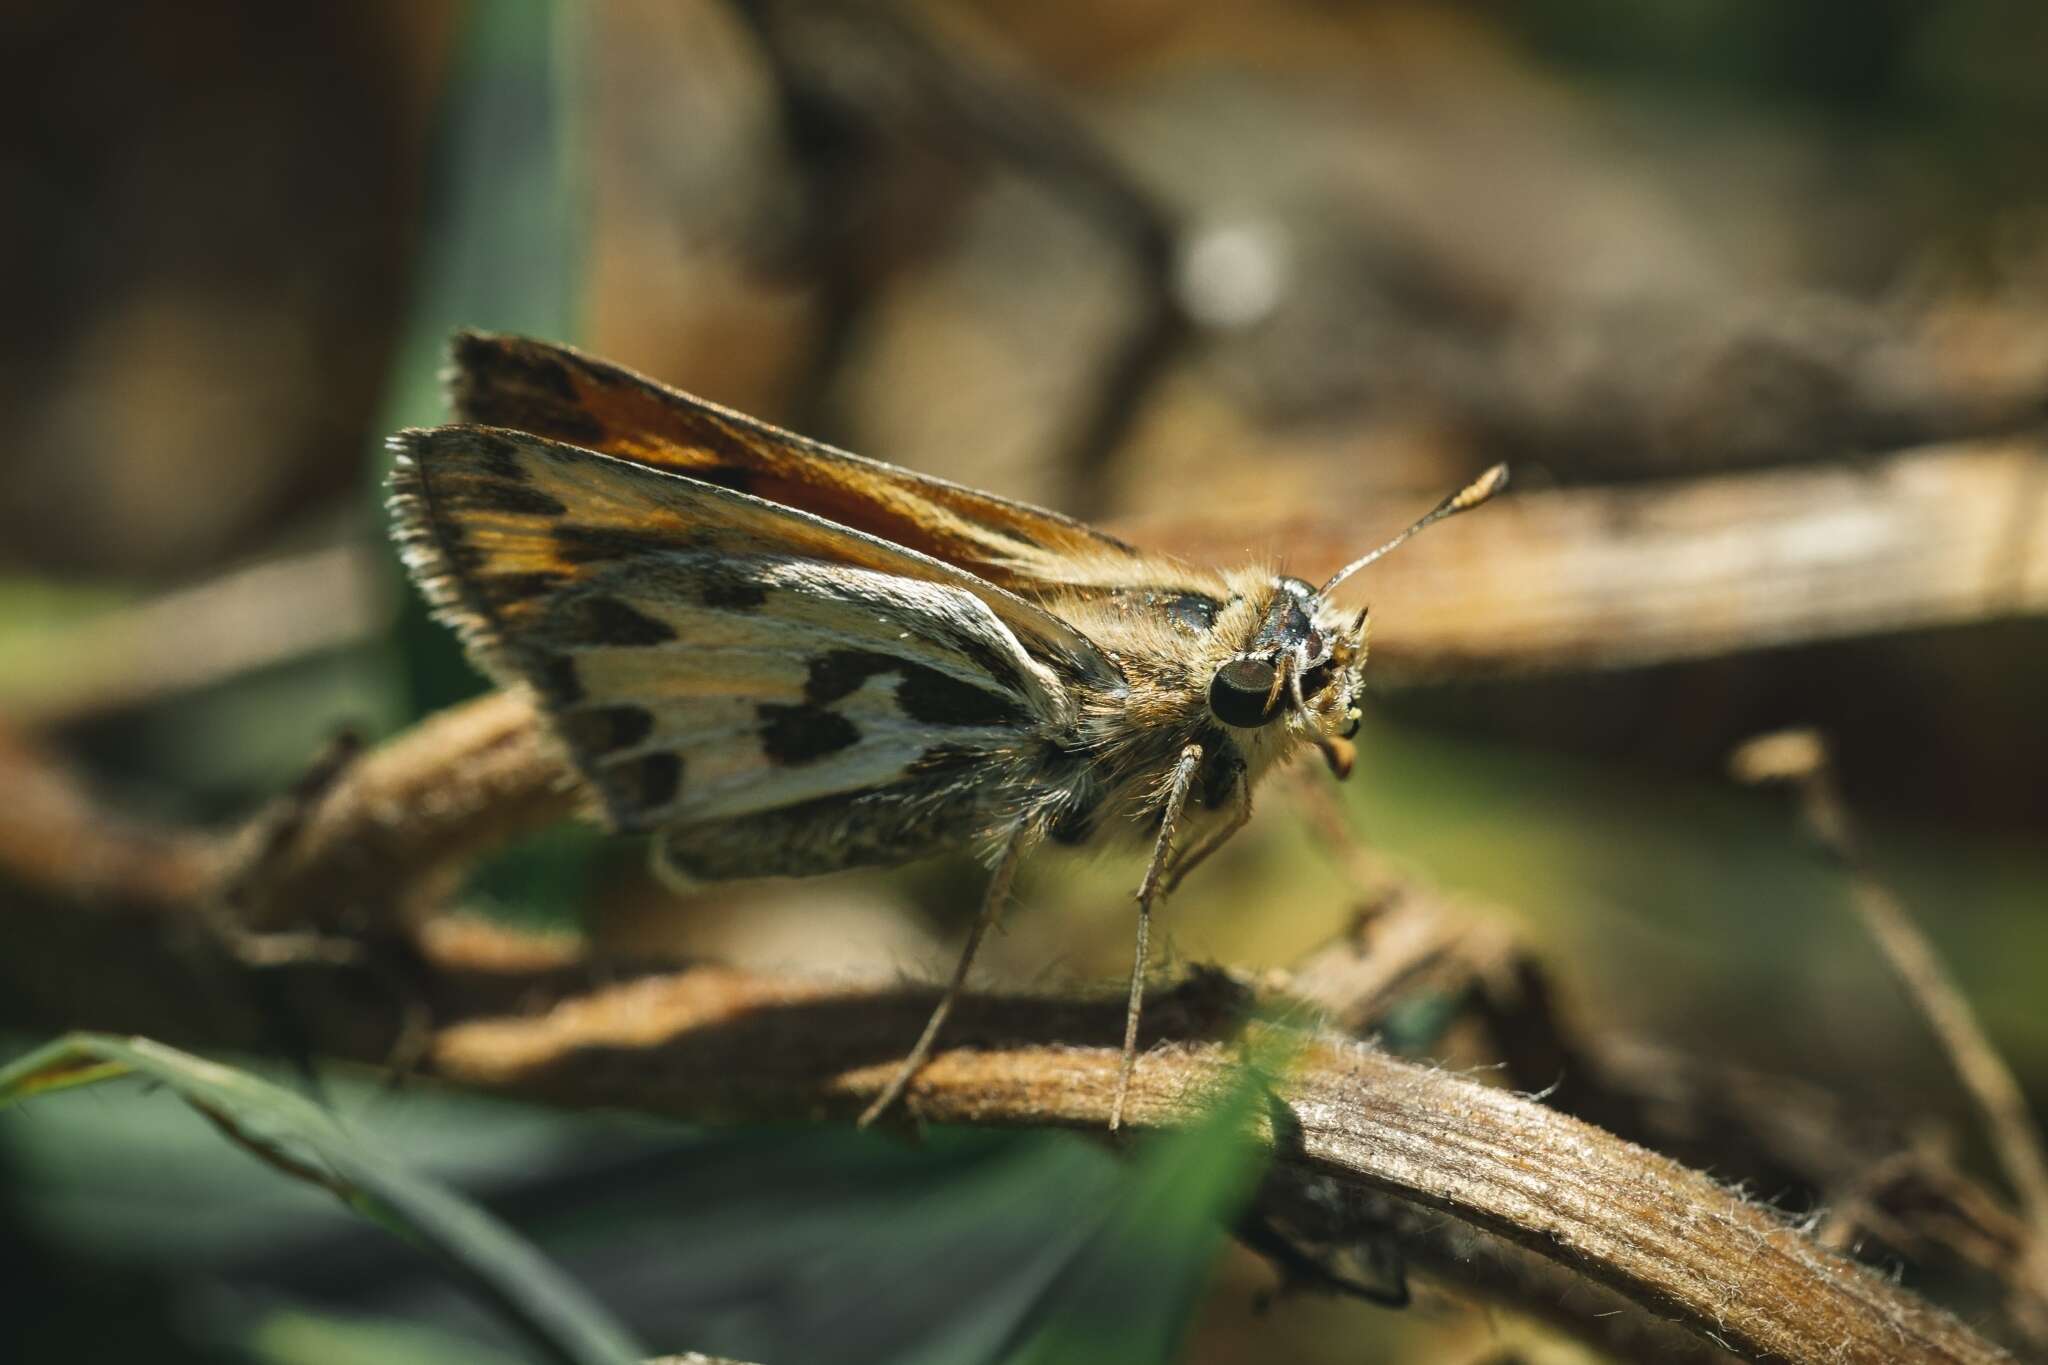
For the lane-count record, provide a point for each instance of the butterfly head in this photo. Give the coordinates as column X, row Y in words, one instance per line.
column 1304, row 668
column 1305, row 665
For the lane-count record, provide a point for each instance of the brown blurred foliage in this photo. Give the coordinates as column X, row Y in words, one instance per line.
column 1406, row 240
column 1266, row 277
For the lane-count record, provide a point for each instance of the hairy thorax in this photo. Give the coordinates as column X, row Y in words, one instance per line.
column 1169, row 642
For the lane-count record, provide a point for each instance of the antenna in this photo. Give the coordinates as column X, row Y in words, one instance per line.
column 1464, row 500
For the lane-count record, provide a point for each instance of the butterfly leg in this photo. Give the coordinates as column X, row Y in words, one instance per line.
column 1148, row 891
column 1177, row 871
column 992, row 899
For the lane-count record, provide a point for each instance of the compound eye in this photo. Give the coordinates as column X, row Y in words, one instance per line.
column 1239, row 692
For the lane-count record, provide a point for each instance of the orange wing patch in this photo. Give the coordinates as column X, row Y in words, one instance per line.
column 558, row 392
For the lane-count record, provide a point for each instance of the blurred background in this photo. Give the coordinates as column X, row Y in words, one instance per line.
column 1234, row 278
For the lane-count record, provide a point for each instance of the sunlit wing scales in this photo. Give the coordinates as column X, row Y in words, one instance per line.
column 784, row 659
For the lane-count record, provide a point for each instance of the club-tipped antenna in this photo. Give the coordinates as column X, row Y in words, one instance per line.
column 1464, row 500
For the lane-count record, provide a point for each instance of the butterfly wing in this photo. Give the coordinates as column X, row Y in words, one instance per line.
column 715, row 662
column 558, row 392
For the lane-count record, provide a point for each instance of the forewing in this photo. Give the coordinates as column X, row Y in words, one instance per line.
column 558, row 392
column 705, row 655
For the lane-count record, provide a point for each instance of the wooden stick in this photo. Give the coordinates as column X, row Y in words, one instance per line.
column 1615, row 577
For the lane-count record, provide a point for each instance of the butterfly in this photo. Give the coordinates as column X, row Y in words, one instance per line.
column 778, row 658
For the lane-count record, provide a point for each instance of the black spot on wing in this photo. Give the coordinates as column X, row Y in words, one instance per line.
column 554, row 676
column 724, row 476
column 603, row 729
column 567, row 421
column 840, row 672
column 594, row 619
column 544, row 374
column 641, row 785
column 729, row 591
column 474, row 494
column 463, row 557
column 722, row 582
column 924, row 693
column 745, row 457
column 501, row 590
column 940, row 699
column 495, row 454
column 513, row 384
column 794, row 735
column 514, row 363
column 576, row 543
column 989, row 659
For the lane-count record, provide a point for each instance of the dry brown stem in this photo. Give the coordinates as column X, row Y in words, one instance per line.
column 388, row 837
column 1801, row 757
column 376, row 843
column 721, row 1044
column 520, row 1018
column 110, row 935
column 1613, row 577
column 1757, row 1130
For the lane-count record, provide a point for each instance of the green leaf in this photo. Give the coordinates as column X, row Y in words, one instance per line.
column 296, row 1336
column 1128, row 1295
column 293, row 1135
column 501, row 243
